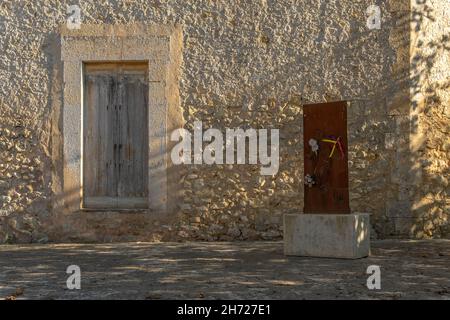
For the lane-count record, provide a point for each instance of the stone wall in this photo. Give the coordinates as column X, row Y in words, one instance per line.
column 244, row 64
column 430, row 116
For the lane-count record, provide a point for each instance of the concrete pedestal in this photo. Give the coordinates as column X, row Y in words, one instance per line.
column 327, row 235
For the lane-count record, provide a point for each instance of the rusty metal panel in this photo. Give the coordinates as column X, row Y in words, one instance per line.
column 325, row 158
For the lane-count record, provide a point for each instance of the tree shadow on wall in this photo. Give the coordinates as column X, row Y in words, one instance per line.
column 429, row 122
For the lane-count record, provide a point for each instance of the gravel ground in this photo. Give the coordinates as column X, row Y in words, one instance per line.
column 221, row 270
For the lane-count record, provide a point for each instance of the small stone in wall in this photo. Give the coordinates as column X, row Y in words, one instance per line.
column 3, row 184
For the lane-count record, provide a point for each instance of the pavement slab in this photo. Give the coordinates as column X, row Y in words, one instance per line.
column 410, row 269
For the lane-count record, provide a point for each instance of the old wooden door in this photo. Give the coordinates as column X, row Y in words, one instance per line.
column 115, row 146
column 325, row 158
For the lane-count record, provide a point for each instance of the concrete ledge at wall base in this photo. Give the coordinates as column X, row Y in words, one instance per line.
column 327, row 235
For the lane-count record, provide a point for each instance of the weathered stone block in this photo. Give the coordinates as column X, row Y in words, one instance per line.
column 327, row 235
column 399, row 103
column 399, row 209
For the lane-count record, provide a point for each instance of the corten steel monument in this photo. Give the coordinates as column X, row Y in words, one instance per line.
column 327, row 228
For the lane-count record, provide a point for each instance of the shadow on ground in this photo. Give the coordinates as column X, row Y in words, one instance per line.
column 238, row 270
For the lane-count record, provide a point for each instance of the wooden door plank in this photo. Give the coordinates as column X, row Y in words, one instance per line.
column 133, row 136
column 98, row 144
column 105, row 202
column 90, row 131
column 109, row 122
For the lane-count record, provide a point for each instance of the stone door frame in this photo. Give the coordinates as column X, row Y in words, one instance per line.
column 159, row 46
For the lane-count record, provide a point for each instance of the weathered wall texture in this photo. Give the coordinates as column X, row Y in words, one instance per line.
column 430, row 116
column 244, row 64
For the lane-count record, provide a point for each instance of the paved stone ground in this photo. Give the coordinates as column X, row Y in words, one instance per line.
column 237, row 270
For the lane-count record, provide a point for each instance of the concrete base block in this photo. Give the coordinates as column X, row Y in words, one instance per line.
column 327, row 235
